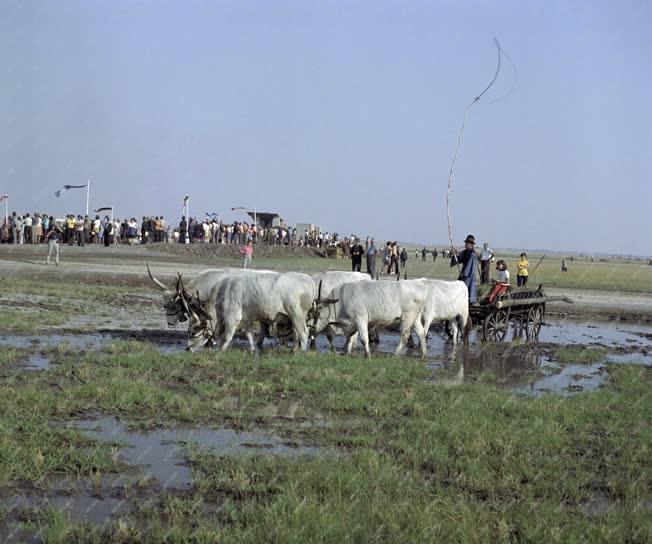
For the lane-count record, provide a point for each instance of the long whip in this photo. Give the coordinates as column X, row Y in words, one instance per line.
column 459, row 142
column 537, row 266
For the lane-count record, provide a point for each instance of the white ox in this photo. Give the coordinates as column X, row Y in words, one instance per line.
column 178, row 302
column 354, row 307
column 196, row 299
column 326, row 282
column 197, row 291
column 446, row 301
column 268, row 298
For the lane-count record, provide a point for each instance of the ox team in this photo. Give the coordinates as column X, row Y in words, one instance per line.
column 217, row 303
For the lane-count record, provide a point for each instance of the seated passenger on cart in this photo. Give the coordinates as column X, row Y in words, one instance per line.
column 501, row 283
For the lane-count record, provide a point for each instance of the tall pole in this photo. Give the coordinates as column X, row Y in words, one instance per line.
column 88, row 191
column 255, row 222
column 7, row 211
column 187, row 219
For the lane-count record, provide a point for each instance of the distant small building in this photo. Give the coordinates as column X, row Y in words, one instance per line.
column 267, row 219
column 303, row 227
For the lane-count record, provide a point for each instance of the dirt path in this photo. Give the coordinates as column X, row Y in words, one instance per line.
column 126, row 266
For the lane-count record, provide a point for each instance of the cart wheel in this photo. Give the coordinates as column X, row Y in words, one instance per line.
column 496, row 325
column 533, row 322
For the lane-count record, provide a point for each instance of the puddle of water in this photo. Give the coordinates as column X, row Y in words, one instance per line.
column 11, row 534
column 78, row 341
column 507, row 363
column 80, row 508
column 571, row 380
column 162, row 456
column 515, row 367
column 292, row 410
column 603, row 332
column 89, row 341
column 636, row 358
column 597, row 506
column 38, row 362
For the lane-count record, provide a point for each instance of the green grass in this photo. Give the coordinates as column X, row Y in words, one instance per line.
column 9, row 356
column 57, row 291
column 579, row 354
column 419, row 462
column 30, row 321
column 45, row 304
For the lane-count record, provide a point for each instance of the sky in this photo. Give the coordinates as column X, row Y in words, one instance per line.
column 344, row 114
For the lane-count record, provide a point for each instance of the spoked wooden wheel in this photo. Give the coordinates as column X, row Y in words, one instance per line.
column 496, row 325
column 533, row 322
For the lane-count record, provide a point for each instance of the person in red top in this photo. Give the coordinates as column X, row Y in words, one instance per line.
column 501, row 283
column 247, row 253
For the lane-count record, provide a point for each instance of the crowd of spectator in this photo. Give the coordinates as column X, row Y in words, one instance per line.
column 214, row 231
column 76, row 230
column 85, row 230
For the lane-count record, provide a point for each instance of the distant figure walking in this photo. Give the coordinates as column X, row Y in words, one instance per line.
column 423, row 255
column 247, row 253
column 522, row 267
column 434, row 255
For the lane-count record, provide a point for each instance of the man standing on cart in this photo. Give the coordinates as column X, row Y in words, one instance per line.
column 468, row 260
column 485, row 258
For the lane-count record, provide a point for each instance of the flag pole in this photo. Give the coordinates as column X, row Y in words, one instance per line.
column 88, row 190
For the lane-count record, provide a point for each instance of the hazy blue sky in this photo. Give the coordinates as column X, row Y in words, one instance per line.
column 340, row 113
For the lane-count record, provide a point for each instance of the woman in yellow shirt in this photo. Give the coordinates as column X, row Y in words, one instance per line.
column 522, row 270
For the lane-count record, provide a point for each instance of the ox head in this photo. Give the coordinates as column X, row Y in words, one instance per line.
column 322, row 313
column 179, row 303
column 201, row 329
column 201, row 332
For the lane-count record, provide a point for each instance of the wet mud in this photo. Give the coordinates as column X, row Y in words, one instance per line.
column 154, row 463
column 565, row 381
column 160, row 454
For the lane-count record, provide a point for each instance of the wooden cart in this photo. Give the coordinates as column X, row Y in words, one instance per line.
column 526, row 307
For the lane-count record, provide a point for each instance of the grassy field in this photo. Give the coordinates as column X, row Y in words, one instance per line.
column 418, row 461
column 420, row 456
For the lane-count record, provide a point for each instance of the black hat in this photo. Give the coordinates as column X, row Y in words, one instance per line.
column 470, row 239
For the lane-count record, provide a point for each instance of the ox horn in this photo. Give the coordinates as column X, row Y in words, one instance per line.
column 319, row 292
column 159, row 283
